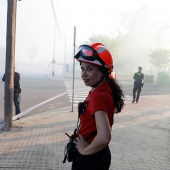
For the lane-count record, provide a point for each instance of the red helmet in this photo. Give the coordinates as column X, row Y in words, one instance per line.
column 95, row 53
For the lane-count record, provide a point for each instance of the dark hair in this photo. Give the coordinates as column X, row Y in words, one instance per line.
column 118, row 95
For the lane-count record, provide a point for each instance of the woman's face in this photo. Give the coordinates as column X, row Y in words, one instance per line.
column 90, row 74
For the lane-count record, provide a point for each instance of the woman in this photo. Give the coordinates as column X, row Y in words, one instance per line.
column 96, row 117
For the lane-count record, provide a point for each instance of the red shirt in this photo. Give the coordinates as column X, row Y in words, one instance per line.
column 98, row 100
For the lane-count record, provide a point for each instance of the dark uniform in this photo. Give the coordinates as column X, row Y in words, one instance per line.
column 137, row 85
column 17, row 91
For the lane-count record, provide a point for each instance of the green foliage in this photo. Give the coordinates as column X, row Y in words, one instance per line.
column 160, row 58
column 111, row 43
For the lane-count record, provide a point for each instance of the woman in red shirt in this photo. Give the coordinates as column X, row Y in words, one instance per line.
column 97, row 116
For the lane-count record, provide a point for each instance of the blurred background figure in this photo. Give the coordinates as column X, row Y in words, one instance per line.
column 17, row 92
column 138, row 84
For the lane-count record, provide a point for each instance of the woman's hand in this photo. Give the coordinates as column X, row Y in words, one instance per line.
column 81, row 144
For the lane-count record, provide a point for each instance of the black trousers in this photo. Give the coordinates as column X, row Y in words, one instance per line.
column 17, row 99
column 97, row 161
column 136, row 90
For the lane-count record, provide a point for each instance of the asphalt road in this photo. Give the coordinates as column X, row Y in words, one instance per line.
column 35, row 91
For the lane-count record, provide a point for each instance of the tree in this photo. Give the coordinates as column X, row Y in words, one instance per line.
column 113, row 44
column 160, row 58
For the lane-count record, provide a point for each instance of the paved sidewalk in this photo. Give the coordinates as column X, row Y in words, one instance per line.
column 140, row 138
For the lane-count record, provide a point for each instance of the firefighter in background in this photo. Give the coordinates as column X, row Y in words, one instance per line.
column 138, row 84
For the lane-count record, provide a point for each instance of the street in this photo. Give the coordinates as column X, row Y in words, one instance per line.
column 35, row 91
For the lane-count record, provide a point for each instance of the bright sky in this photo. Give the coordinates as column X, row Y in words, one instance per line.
column 35, row 25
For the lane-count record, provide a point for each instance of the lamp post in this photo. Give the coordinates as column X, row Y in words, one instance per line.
column 53, row 60
column 74, row 44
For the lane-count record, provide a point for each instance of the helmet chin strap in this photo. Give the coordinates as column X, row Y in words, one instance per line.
column 100, row 81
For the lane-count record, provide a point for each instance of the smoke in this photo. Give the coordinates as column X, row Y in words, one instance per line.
column 141, row 32
column 32, row 52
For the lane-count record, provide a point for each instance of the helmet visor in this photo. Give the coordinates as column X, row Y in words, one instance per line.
column 88, row 53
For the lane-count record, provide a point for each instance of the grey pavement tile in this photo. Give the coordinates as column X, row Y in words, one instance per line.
column 140, row 139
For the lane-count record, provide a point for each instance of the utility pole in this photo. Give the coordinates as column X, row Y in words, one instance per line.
column 74, row 44
column 10, row 62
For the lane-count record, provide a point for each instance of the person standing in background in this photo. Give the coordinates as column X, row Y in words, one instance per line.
column 17, row 92
column 138, row 84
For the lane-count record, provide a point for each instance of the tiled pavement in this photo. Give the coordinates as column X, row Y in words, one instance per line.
column 140, row 138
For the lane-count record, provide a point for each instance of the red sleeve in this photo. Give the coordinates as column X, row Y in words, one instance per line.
column 101, row 102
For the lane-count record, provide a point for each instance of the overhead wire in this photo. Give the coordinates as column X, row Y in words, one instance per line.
column 55, row 17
